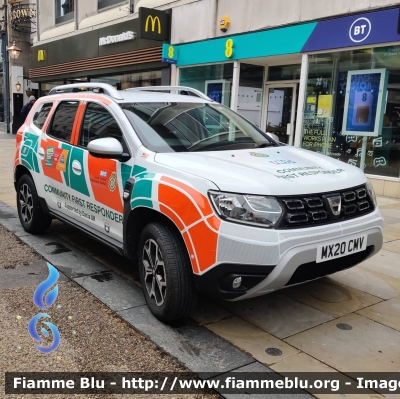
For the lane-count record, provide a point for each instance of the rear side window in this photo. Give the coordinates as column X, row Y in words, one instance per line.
column 41, row 114
column 98, row 123
column 63, row 120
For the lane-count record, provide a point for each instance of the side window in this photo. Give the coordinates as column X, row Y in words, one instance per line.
column 98, row 123
column 63, row 120
column 41, row 114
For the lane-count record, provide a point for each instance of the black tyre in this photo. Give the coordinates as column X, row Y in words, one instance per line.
column 31, row 216
column 165, row 273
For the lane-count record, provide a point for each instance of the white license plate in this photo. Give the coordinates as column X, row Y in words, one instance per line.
column 341, row 248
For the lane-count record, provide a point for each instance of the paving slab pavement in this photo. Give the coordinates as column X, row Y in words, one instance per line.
column 391, row 233
column 392, row 246
column 374, row 283
column 386, row 262
column 386, row 313
column 264, row 347
column 331, row 297
column 302, row 361
column 277, row 314
column 352, row 343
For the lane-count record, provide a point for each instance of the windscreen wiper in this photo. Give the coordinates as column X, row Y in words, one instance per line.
column 264, row 145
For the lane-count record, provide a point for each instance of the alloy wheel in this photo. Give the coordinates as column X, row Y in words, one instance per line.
column 26, row 203
column 154, row 272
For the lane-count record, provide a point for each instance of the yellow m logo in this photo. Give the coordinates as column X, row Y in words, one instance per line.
column 41, row 56
column 153, row 24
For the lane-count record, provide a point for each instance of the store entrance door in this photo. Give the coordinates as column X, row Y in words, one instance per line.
column 280, row 111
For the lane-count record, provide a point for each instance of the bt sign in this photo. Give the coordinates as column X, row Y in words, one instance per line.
column 360, row 30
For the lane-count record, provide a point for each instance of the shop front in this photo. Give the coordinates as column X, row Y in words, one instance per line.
column 352, row 94
column 331, row 87
column 256, row 74
column 125, row 55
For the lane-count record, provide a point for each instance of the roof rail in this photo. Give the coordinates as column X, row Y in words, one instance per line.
column 101, row 87
column 197, row 93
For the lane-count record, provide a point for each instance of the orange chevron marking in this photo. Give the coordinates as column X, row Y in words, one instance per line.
column 172, row 216
column 205, row 241
column 189, row 246
column 214, row 222
column 198, row 198
column 179, row 203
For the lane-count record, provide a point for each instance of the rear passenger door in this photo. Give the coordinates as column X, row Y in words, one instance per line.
column 102, row 177
column 56, row 151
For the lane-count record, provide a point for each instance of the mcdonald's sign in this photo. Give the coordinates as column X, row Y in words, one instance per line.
column 153, row 24
column 154, row 21
column 41, row 55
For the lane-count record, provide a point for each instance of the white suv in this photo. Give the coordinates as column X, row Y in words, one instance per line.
column 199, row 197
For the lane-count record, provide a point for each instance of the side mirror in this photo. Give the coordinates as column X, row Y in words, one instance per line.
column 107, row 147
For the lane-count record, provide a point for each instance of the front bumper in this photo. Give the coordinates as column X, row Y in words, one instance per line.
column 289, row 256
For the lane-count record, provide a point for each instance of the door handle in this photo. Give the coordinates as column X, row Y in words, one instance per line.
column 77, row 168
column 41, row 153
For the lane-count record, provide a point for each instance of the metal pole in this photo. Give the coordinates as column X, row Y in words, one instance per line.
column 363, row 153
column 37, row 20
column 302, row 98
column 235, row 85
column 6, row 72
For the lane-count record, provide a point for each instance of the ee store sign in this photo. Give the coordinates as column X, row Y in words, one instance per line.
column 360, row 30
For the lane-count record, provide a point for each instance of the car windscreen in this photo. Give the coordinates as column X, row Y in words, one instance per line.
column 191, row 127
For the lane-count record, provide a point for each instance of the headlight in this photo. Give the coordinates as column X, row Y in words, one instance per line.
column 247, row 209
column 371, row 193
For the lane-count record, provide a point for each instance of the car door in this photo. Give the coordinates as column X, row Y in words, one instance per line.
column 55, row 154
column 98, row 178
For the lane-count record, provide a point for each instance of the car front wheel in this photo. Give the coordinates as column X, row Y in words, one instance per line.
column 165, row 273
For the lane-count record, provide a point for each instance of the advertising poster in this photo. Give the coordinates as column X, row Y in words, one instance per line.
column 310, row 110
column 324, row 106
column 218, row 90
column 215, row 92
column 364, row 106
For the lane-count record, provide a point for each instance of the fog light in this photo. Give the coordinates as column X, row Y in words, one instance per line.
column 237, row 282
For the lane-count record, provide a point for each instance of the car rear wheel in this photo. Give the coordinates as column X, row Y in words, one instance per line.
column 31, row 216
column 165, row 273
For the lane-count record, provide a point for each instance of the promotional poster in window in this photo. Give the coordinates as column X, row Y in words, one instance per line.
column 364, row 107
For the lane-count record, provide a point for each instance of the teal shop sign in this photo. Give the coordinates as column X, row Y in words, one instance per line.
column 287, row 40
column 169, row 54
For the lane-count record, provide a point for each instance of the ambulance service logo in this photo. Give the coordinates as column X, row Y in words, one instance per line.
column 112, row 182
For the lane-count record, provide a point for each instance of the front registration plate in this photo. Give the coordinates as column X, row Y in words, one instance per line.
column 341, row 248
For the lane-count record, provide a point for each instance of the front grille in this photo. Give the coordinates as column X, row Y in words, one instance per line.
column 318, row 209
column 313, row 270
